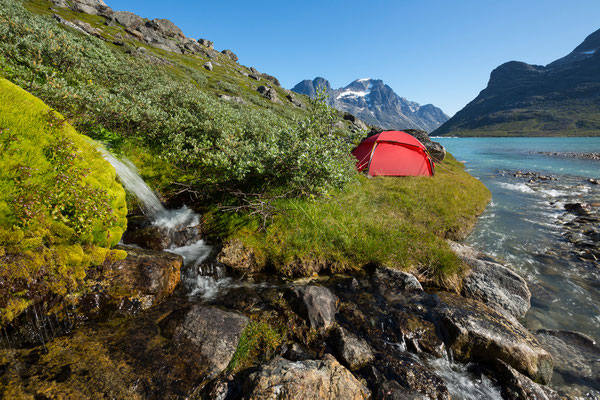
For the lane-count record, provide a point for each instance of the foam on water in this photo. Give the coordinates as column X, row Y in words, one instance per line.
column 171, row 221
column 463, row 384
column 519, row 187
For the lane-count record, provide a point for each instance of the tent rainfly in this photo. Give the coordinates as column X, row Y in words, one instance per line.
column 393, row 153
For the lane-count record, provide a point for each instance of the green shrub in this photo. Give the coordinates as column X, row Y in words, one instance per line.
column 214, row 146
column 61, row 208
column 259, row 342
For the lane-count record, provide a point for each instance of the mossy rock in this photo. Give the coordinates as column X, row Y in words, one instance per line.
column 61, row 208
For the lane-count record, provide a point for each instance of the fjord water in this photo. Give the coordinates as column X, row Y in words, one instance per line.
column 524, row 223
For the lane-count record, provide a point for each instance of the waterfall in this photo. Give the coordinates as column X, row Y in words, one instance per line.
column 198, row 279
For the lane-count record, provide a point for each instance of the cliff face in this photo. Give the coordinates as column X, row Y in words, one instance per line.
column 377, row 104
column 559, row 99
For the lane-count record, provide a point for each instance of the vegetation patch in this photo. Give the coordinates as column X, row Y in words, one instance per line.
column 400, row 222
column 61, row 208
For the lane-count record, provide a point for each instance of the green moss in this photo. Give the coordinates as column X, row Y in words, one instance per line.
column 62, row 208
column 398, row 222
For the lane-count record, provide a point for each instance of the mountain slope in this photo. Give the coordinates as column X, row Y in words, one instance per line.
column 377, row 104
column 559, row 99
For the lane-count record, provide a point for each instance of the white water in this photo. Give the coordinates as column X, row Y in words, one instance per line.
column 201, row 283
column 462, row 384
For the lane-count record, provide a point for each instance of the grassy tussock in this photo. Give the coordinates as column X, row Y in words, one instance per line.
column 400, row 222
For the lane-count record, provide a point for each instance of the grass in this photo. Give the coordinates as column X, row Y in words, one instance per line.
column 400, row 222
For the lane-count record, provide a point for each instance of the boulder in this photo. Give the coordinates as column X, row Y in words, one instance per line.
column 476, row 332
column 436, row 150
column 578, row 208
column 230, row 54
column 206, row 42
column 316, row 304
column 393, row 280
column 492, row 283
column 294, row 100
column 91, row 7
column 166, row 28
column 147, row 275
column 269, row 93
column 254, row 76
column 304, row 380
column 81, row 26
column 212, row 333
column 517, row 386
column 208, row 65
column 271, row 78
column 353, row 351
column 576, row 362
column 128, row 19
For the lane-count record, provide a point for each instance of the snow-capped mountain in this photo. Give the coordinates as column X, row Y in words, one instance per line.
column 376, row 103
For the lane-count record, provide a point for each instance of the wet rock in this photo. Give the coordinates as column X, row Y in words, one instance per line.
column 353, row 351
column 143, row 357
column 413, row 377
column 269, row 93
column 475, row 332
column 147, row 275
column 230, row 54
column 578, row 208
column 594, row 181
column 387, row 279
column 316, row 304
column 212, row 332
column 304, row 380
column 576, row 362
column 418, row 334
column 517, row 386
column 392, row 390
column 208, row 65
column 533, row 176
column 492, row 283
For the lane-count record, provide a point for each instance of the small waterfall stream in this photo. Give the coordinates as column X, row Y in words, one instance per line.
column 200, row 281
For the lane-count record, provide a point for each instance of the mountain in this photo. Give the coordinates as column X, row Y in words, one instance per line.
column 559, row 99
column 376, row 103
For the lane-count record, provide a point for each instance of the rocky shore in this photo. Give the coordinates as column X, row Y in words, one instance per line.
column 585, row 156
column 375, row 334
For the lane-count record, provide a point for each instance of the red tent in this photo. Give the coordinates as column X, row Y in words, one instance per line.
column 393, row 153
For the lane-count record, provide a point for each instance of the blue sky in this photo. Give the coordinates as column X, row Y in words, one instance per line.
column 439, row 52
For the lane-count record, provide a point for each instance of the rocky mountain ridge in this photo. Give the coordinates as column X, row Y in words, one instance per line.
column 377, row 104
column 559, row 99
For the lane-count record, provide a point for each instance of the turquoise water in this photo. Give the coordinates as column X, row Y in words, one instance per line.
column 524, row 223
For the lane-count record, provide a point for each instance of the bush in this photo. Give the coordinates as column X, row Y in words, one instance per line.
column 213, row 146
column 61, row 208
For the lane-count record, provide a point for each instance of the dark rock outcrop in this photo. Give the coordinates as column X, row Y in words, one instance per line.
column 492, row 283
column 230, row 54
column 576, row 362
column 316, row 304
column 435, row 149
column 476, row 332
column 517, row 386
column 353, row 351
column 213, row 333
column 145, row 275
column 387, row 279
column 304, row 380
